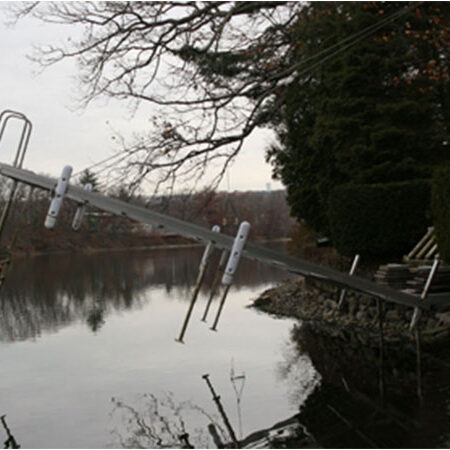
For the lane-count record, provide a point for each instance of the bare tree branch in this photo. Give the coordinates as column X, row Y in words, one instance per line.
column 213, row 72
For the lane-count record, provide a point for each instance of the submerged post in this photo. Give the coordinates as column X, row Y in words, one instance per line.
column 198, row 283
column 232, row 265
column 216, row 282
column 352, row 271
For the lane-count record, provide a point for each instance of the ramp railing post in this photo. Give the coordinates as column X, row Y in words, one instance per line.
column 79, row 213
column 198, row 283
column 414, row 326
column 232, row 265
column 351, row 272
column 417, row 312
column 5, row 116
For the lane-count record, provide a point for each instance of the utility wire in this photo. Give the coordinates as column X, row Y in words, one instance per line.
column 362, row 34
column 348, row 42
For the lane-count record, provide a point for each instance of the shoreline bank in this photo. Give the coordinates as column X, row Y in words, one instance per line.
column 316, row 302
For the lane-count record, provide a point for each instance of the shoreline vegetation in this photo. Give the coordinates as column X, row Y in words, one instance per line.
column 162, row 245
column 24, row 232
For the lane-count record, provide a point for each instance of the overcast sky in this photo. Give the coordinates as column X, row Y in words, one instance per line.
column 63, row 134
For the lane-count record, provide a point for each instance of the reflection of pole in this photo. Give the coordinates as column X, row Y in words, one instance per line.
column 380, row 307
column 238, row 391
column 419, row 364
column 10, row 442
column 216, row 282
column 198, row 284
column 215, row 435
column 184, row 439
column 216, row 399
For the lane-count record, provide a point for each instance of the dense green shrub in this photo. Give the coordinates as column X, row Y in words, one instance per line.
column 379, row 220
column 440, row 207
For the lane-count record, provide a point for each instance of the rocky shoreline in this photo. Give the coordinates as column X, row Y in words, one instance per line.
column 317, row 303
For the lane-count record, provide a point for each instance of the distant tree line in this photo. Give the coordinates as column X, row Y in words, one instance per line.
column 268, row 212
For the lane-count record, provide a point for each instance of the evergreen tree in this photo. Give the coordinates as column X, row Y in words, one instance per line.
column 88, row 177
column 370, row 115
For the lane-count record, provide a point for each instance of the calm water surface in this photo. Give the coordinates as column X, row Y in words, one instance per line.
column 77, row 331
column 88, row 359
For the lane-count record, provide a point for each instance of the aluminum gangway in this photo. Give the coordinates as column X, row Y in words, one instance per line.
column 195, row 232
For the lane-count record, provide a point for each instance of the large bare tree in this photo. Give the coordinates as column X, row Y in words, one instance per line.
column 212, row 71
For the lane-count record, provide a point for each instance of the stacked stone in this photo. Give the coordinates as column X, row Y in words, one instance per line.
column 394, row 275
column 441, row 281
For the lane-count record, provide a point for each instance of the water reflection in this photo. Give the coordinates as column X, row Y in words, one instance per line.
column 48, row 292
column 10, row 441
column 163, row 422
column 347, row 410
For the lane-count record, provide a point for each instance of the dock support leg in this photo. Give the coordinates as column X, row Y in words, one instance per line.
column 198, row 284
column 232, row 265
column 221, row 305
column 216, row 282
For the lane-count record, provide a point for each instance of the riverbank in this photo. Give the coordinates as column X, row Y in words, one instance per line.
column 316, row 302
column 92, row 250
column 161, row 245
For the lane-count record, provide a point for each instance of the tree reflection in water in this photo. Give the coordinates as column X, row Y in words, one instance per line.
column 95, row 318
column 162, row 423
column 10, row 441
column 47, row 292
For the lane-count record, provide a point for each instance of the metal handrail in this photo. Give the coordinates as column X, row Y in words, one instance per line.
column 5, row 116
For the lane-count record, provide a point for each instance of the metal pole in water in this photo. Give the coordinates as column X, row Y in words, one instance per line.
column 198, row 283
column 216, row 282
column 232, row 265
column 414, row 326
column 221, row 305
column 216, row 399
column 352, row 271
column 423, row 296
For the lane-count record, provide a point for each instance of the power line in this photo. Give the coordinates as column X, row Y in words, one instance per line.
column 362, row 34
column 348, row 42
